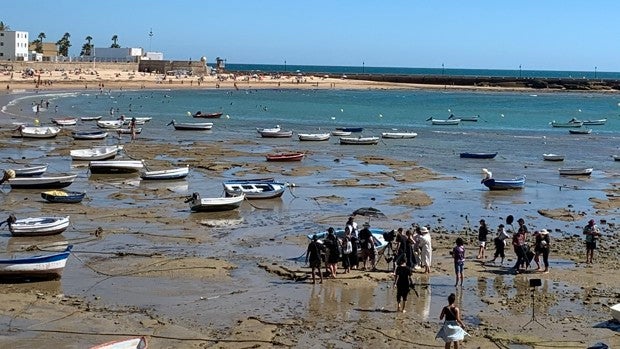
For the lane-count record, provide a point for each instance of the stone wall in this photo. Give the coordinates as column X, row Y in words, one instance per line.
column 20, row 66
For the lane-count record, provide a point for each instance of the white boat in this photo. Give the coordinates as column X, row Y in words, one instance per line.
column 339, row 133
column 276, row 134
column 37, row 131
column 89, row 135
column 138, row 120
column 97, row 153
column 313, row 136
column 115, row 166
column 65, row 121
column 471, row 118
column 37, row 226
column 273, row 129
column 91, row 118
column 173, row 173
column 398, row 135
column 575, row 171
column 110, row 124
column 595, row 122
column 445, row 122
column 359, row 140
column 125, row 130
column 570, row 123
column 46, row 182
column 553, row 157
column 30, row 170
column 42, row 266
column 130, row 343
column 254, row 190
column 191, row 125
column 615, row 311
column 198, row 204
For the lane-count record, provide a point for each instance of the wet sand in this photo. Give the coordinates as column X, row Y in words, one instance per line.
column 144, row 265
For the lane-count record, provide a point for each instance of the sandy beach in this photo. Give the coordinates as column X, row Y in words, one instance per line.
column 230, row 280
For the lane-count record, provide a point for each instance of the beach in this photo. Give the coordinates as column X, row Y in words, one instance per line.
column 144, row 265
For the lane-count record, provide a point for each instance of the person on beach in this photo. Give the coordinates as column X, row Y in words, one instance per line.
column 417, row 264
column 313, row 257
column 332, row 244
column 518, row 244
column 541, row 247
column 347, row 251
column 351, row 227
column 483, row 231
column 452, row 330
column 401, row 246
column 367, row 243
column 500, row 244
column 426, row 249
column 525, row 248
column 458, row 254
column 402, row 283
column 132, row 128
column 591, row 232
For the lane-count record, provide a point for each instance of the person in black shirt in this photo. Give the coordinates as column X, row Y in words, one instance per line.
column 402, row 284
column 367, row 244
column 313, row 255
column 483, row 231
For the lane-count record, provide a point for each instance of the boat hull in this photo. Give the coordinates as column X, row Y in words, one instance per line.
column 359, row 140
column 510, row 184
column 176, row 173
column 215, row 204
column 568, row 171
column 478, row 155
column 316, row 137
column 39, row 226
column 398, row 135
column 380, row 243
column 47, row 266
column 553, row 157
column 131, row 343
column 615, row 311
column 285, row 157
column 30, row 170
column 55, row 182
column 254, row 190
column 71, row 197
column 89, row 135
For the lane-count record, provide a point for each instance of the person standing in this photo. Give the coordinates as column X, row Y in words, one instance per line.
column 347, row 251
column 541, row 247
column 426, row 248
column 313, row 256
column 518, row 244
column 132, row 128
column 351, row 227
column 402, row 283
column 591, row 232
column 525, row 248
column 367, row 242
column 483, row 231
column 458, row 253
column 500, row 244
column 452, row 330
column 333, row 245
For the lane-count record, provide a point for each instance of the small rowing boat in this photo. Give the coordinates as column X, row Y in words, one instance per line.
column 350, row 129
column 276, row 134
column 191, row 126
column 584, row 131
column 37, row 132
column 173, row 173
column 398, row 135
column 254, row 189
column 61, row 196
column 297, row 156
column 359, row 140
column 478, row 155
column 472, row 118
column 46, row 182
column 96, row 153
column 504, row 184
column 48, row 266
column 445, row 122
column 553, row 157
column 89, row 135
column 575, row 171
column 115, row 166
column 37, row 226
column 313, row 136
column 200, row 114
column 91, row 118
column 65, row 121
column 30, row 170
column 130, row 343
column 198, row 204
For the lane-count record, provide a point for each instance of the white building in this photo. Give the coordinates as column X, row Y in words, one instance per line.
column 13, row 46
column 157, row 56
column 121, row 54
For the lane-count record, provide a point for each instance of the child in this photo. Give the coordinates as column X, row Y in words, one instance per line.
column 402, row 284
column 452, row 330
column 458, row 253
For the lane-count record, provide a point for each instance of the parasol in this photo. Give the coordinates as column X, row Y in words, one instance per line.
column 369, row 212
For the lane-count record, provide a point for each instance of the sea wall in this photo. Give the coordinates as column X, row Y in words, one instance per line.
column 54, row 66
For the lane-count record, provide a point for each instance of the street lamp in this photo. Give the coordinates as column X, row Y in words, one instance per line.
column 442, row 69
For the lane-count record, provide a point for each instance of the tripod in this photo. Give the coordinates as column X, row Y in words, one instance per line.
column 533, row 319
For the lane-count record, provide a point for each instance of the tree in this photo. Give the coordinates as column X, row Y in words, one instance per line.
column 39, row 42
column 63, row 45
column 114, row 42
column 4, row 27
column 87, row 47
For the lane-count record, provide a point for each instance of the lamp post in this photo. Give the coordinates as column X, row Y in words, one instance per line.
column 363, row 69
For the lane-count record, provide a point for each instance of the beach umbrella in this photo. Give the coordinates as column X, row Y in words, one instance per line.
column 369, row 212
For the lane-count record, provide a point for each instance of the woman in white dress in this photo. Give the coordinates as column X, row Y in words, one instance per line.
column 426, row 249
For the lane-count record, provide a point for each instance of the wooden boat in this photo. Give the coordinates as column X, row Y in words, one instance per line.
column 553, row 157
column 30, row 170
column 65, row 121
column 478, row 155
column 472, row 118
column 198, row 204
column 359, row 140
column 341, row 133
column 575, row 171
column 580, row 131
column 97, row 153
column 594, row 122
column 42, row 266
column 298, row 156
column 350, row 129
column 130, row 343
column 615, row 311
column 110, row 124
column 571, row 123
column 253, row 180
column 504, row 184
column 115, row 166
column 200, row 114
column 379, row 240
column 191, row 126
column 46, row 182
column 91, row 118
column 313, row 136
column 37, row 226
column 445, row 122
column 137, row 120
column 37, row 132
column 173, row 173
column 125, row 130
column 398, row 135
column 89, row 135
column 254, row 189
column 276, row 134
column 65, row 197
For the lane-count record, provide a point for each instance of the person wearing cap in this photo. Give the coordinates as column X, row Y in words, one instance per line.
column 541, row 247
column 483, row 231
column 426, row 248
column 313, row 256
column 591, row 232
column 367, row 244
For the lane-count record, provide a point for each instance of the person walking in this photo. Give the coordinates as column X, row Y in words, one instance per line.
column 591, row 232
column 518, row 244
column 483, row 231
column 458, row 253
column 367, row 243
column 313, row 257
column 402, row 282
column 347, row 251
column 426, row 248
column 452, row 330
column 541, row 247
column 500, row 244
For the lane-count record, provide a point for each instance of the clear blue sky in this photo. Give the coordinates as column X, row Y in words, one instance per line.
column 496, row 34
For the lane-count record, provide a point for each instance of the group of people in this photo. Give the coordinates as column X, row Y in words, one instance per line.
column 413, row 247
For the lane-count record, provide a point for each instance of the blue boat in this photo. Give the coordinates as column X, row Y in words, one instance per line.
column 350, row 129
column 48, row 266
column 61, row 196
column 478, row 155
column 504, row 184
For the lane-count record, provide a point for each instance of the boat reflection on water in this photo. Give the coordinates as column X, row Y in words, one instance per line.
column 51, row 243
column 223, row 219
column 180, row 186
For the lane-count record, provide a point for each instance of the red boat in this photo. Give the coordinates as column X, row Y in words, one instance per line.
column 208, row 116
column 285, row 156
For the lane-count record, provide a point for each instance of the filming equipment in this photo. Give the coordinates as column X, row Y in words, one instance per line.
column 389, row 236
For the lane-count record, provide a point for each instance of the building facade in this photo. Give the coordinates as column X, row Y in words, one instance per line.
column 13, row 45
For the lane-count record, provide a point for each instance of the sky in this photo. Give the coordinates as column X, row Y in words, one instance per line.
column 476, row 34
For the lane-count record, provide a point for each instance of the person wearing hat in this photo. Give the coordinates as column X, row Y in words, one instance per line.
column 313, row 255
column 483, row 231
column 591, row 232
column 367, row 244
column 541, row 247
column 426, row 249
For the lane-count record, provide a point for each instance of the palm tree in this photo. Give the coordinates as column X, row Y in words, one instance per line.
column 39, row 42
column 4, row 27
column 87, row 47
column 63, row 45
column 114, row 42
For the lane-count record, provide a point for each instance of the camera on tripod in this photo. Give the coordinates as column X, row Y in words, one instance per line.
column 535, row 282
column 389, row 236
